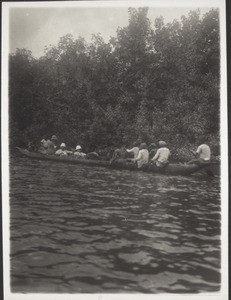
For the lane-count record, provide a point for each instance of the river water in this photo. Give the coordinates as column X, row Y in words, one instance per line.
column 77, row 229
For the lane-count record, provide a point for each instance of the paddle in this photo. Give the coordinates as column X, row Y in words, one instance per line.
column 193, row 152
column 208, row 172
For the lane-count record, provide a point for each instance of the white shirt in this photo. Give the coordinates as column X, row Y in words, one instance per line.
column 204, row 152
column 79, row 154
column 134, row 150
column 142, row 158
column 162, row 155
column 61, row 152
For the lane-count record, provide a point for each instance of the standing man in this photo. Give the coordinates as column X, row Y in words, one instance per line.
column 52, row 145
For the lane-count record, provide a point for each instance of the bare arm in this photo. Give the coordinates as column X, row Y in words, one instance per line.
column 138, row 157
column 130, row 150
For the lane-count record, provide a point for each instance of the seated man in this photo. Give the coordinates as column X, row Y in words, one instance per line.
column 143, row 156
column 62, row 151
column 203, row 154
column 78, row 152
column 43, row 147
column 119, row 153
column 162, row 155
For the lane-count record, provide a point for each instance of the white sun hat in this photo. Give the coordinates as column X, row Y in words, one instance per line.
column 78, row 147
column 63, row 145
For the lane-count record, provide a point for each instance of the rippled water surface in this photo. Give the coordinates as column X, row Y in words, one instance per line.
column 77, row 229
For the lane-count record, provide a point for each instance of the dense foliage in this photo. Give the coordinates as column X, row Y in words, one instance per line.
column 148, row 83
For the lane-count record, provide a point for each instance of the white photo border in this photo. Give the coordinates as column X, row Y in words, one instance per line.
column 223, row 293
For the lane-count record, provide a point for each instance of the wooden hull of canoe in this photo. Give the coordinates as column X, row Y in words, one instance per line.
column 214, row 168
column 171, row 169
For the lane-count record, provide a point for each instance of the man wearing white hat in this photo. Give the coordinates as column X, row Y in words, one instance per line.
column 62, row 150
column 78, row 152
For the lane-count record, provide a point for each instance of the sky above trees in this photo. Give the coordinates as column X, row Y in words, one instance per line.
column 35, row 28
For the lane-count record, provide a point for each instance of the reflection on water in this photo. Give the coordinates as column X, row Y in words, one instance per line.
column 77, row 229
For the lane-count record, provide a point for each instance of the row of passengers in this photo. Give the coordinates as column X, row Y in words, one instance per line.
column 160, row 157
column 50, row 147
column 141, row 157
column 63, row 151
column 123, row 153
column 142, row 154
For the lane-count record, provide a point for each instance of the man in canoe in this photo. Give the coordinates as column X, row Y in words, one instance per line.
column 62, row 151
column 78, row 152
column 52, row 145
column 119, row 153
column 202, row 154
column 43, row 147
column 162, row 155
column 152, row 150
column 143, row 156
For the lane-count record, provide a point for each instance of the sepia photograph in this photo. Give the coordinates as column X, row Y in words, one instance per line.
column 114, row 150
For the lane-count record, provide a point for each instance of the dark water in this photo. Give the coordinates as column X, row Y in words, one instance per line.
column 77, row 229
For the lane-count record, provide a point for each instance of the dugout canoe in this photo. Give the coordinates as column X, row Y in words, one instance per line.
column 171, row 169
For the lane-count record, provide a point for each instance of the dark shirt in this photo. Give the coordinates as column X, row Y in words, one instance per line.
column 51, row 148
column 152, row 153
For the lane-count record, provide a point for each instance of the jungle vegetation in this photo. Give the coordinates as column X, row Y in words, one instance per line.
column 152, row 81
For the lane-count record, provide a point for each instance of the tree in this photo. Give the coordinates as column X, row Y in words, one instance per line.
column 147, row 83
